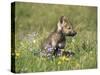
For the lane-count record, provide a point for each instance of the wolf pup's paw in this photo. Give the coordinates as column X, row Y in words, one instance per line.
column 68, row 53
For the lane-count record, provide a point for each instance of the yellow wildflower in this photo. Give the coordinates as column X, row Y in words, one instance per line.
column 64, row 58
column 62, row 49
column 67, row 59
column 59, row 62
column 77, row 65
column 17, row 54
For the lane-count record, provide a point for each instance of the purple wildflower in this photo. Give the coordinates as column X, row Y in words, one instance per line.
column 59, row 52
column 50, row 49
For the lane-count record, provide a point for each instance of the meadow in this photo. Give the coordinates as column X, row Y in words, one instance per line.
column 34, row 22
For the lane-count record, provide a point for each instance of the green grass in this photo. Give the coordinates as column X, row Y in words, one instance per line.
column 42, row 19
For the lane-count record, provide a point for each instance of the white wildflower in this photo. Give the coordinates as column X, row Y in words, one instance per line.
column 34, row 41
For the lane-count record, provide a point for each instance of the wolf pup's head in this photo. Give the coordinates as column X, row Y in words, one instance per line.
column 65, row 26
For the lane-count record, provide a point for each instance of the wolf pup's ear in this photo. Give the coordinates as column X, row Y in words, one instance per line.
column 60, row 23
column 61, row 19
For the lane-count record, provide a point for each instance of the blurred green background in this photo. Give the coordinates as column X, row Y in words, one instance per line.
column 34, row 22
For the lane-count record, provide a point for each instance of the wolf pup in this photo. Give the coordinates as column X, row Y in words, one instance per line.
column 57, row 39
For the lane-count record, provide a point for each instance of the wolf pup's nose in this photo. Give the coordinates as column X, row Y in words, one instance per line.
column 74, row 33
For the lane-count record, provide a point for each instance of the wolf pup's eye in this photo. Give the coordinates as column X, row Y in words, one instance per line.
column 68, row 27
